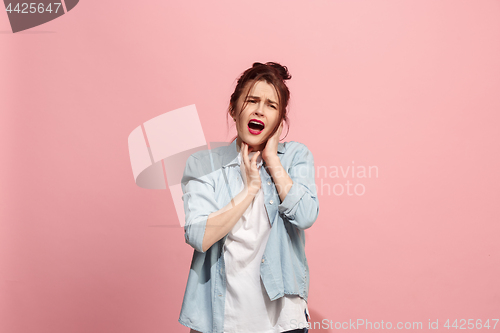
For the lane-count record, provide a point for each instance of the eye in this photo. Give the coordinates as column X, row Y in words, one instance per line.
column 252, row 101
column 273, row 106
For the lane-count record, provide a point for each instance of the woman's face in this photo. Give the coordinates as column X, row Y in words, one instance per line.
column 261, row 114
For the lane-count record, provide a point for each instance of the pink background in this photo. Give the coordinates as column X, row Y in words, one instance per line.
column 410, row 87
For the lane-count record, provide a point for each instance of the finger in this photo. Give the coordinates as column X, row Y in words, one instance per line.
column 245, row 156
column 254, row 159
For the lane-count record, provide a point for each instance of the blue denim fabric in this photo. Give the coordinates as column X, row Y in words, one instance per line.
column 211, row 179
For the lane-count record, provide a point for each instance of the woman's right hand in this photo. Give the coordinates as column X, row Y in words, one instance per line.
column 252, row 175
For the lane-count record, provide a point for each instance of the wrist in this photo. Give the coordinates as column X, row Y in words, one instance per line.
column 275, row 168
column 251, row 192
column 273, row 161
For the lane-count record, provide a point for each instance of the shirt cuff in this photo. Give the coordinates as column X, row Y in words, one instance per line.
column 289, row 206
column 196, row 232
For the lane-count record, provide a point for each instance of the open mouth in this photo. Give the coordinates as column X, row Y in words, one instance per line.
column 255, row 126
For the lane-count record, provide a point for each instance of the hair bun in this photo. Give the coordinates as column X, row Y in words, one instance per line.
column 282, row 70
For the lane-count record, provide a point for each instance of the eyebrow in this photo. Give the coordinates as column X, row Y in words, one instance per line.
column 255, row 97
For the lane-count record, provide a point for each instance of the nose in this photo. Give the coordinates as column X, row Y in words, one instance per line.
column 260, row 109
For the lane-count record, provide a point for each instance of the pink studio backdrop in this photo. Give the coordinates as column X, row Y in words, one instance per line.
column 408, row 88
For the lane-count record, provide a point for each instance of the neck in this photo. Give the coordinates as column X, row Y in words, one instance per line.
column 250, row 148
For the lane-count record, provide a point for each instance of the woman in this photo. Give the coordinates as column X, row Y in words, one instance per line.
column 249, row 272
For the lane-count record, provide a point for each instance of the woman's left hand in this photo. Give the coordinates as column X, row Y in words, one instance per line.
column 270, row 151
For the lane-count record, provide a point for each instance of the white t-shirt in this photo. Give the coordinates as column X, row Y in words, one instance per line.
column 247, row 305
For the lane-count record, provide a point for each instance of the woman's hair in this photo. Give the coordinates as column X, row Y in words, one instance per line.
column 272, row 73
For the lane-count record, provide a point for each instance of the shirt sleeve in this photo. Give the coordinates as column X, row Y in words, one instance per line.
column 199, row 200
column 301, row 206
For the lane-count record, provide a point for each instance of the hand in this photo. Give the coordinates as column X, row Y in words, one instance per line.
column 271, row 149
column 251, row 174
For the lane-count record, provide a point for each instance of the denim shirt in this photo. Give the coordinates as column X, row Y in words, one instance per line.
column 211, row 179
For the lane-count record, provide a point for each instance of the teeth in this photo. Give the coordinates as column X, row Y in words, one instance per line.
column 256, row 122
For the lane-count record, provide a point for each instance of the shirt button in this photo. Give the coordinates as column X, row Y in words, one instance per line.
column 268, row 183
column 271, row 202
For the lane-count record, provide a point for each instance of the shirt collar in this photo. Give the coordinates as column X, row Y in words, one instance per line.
column 230, row 153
